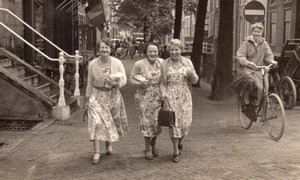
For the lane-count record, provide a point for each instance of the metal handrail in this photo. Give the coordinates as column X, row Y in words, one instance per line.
column 27, row 25
column 36, row 49
column 61, row 59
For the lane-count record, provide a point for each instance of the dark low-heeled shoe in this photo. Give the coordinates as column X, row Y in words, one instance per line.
column 175, row 158
column 155, row 152
column 180, row 148
column 108, row 150
column 148, row 155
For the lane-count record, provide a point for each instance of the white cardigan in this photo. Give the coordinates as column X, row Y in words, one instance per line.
column 95, row 78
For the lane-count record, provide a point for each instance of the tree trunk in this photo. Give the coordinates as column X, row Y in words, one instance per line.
column 178, row 16
column 198, row 38
column 223, row 72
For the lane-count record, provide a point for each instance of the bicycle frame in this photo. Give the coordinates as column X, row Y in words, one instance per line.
column 264, row 93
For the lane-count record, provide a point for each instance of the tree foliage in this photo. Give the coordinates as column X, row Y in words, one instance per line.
column 190, row 7
column 153, row 15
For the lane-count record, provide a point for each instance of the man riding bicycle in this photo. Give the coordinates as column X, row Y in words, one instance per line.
column 253, row 52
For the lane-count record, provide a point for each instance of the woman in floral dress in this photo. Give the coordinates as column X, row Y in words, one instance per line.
column 146, row 75
column 107, row 118
column 177, row 73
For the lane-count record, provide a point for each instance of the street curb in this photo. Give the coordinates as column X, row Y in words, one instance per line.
column 31, row 133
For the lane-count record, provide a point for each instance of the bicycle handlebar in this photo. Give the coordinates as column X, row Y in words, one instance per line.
column 264, row 67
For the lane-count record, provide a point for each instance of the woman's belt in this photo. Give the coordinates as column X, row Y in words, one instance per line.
column 102, row 88
column 155, row 85
column 177, row 83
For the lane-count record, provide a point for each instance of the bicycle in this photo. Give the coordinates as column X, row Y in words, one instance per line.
column 270, row 110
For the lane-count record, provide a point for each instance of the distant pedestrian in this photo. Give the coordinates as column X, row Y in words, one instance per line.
column 141, row 48
column 107, row 119
column 165, row 52
column 178, row 72
column 131, row 49
column 146, row 75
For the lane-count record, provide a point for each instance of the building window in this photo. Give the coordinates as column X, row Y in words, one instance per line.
column 273, row 27
column 242, row 2
column 273, row 2
column 187, row 25
column 206, row 27
column 247, row 31
column 241, row 31
column 287, row 24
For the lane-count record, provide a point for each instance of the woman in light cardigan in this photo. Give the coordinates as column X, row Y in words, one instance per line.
column 178, row 73
column 107, row 119
column 148, row 97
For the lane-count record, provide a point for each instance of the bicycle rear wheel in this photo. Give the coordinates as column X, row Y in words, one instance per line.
column 274, row 116
column 246, row 122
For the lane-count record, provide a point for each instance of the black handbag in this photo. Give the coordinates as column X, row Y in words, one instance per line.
column 166, row 118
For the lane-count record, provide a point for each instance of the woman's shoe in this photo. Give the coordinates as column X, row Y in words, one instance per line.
column 108, row 150
column 154, row 149
column 154, row 152
column 148, row 155
column 180, row 148
column 175, row 158
column 96, row 158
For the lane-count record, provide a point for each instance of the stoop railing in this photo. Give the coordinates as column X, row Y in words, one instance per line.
column 76, row 56
column 62, row 112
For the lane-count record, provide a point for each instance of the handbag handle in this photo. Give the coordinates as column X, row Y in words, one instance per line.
column 162, row 104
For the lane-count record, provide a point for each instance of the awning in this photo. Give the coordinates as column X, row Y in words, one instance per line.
column 95, row 13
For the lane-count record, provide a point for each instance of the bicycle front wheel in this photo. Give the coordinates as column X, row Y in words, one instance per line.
column 246, row 122
column 274, row 119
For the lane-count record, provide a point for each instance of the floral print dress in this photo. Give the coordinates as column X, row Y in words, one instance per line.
column 148, row 99
column 179, row 98
column 107, row 114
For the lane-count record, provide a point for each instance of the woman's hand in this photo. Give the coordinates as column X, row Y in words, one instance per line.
column 274, row 63
column 251, row 65
column 113, row 83
column 144, row 84
column 112, row 80
column 189, row 72
column 86, row 103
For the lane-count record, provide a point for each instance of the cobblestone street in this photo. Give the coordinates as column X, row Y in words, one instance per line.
column 216, row 148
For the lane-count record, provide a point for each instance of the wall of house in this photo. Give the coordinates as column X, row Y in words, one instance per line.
column 14, row 102
column 8, row 40
column 279, row 7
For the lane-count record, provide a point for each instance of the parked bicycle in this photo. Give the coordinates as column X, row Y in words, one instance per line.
column 270, row 110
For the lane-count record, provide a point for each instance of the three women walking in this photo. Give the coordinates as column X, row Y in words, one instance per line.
column 157, row 80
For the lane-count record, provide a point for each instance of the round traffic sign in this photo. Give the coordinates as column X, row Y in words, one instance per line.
column 254, row 12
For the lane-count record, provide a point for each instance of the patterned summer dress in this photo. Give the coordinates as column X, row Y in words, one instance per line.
column 148, row 100
column 180, row 99
column 106, row 112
